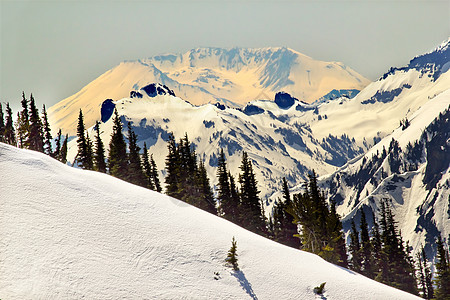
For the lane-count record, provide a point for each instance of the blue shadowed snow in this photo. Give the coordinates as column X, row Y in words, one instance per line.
column 386, row 96
column 284, row 100
column 107, row 109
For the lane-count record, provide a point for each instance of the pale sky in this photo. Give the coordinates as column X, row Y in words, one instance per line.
column 54, row 48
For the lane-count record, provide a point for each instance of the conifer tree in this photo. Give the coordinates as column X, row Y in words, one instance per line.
column 154, row 174
column 207, row 198
column 135, row 173
column 9, row 134
column 337, row 245
column 172, row 168
column 90, row 152
column 442, row 280
column 147, row 169
column 355, row 248
column 366, row 248
column 35, row 138
column 117, row 159
column 57, row 153
column 425, row 276
column 284, row 229
column 47, row 133
column 99, row 155
column 23, row 124
column 250, row 207
column 232, row 256
column 84, row 155
column 227, row 207
column 63, row 153
column 2, row 124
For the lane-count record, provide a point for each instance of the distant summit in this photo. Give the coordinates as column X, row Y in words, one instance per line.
column 212, row 75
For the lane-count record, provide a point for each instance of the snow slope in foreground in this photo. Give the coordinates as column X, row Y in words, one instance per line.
column 66, row 233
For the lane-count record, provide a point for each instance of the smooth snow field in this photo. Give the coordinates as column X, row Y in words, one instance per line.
column 67, row 233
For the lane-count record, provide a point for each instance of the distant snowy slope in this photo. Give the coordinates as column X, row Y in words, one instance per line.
column 208, row 75
column 71, row 234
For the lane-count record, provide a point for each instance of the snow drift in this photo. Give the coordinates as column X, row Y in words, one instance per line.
column 68, row 233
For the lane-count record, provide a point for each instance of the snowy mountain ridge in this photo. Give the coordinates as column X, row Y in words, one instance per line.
column 208, row 75
column 90, row 235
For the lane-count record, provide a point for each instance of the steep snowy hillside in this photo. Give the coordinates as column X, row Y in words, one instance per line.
column 71, row 234
column 209, row 75
column 278, row 142
column 378, row 108
column 410, row 168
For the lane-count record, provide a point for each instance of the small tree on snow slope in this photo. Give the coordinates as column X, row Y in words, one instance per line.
column 232, row 256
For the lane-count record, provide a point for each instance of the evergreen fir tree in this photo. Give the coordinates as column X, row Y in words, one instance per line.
column 355, row 248
column 232, row 256
column 366, row 248
column 135, row 173
column 227, row 207
column 90, row 152
column 117, row 159
column 207, row 197
column 154, row 174
column 336, row 238
column 284, row 229
column 99, row 155
column 9, row 134
column 428, row 276
column 63, row 153
column 2, row 124
column 35, row 138
column 442, row 280
column 57, row 153
column 172, row 168
column 250, row 207
column 147, row 169
column 23, row 124
column 47, row 133
column 84, row 155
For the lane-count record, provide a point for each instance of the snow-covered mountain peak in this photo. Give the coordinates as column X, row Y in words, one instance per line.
column 232, row 77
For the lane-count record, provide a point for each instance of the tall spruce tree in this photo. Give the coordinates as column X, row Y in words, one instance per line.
column 84, row 155
column 366, row 252
column 23, row 124
column 117, row 159
column 147, row 169
column 227, row 208
column 442, row 280
column 172, row 168
column 9, row 134
column 355, row 248
column 424, row 277
column 206, row 195
column 47, row 133
column 154, row 174
column 63, row 153
column 135, row 173
column 99, row 154
column 2, row 124
column 284, row 229
column 336, row 244
column 57, row 153
column 35, row 138
column 250, row 211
